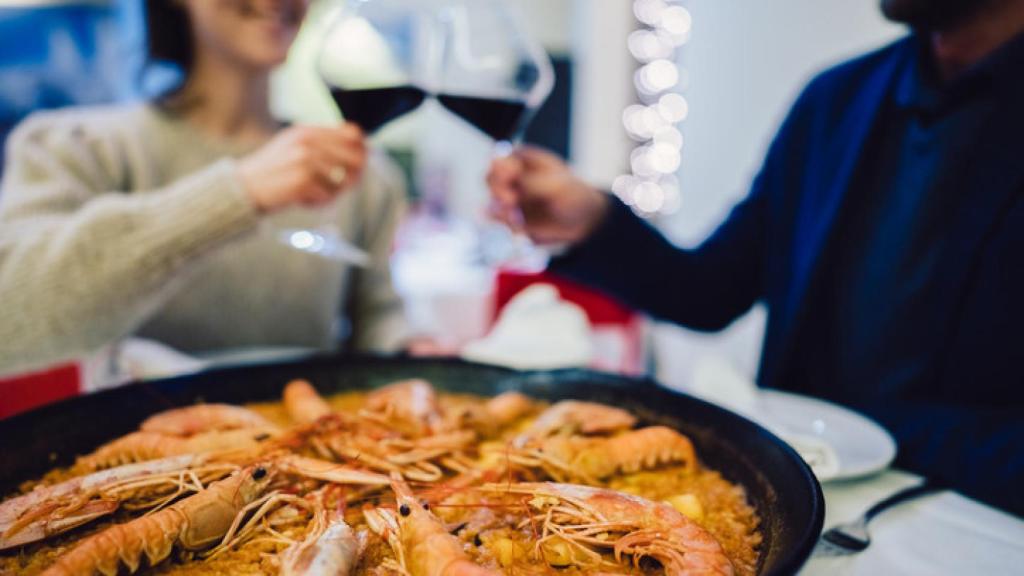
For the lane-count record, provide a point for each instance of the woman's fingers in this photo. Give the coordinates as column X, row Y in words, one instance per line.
column 339, row 155
column 317, row 194
column 328, row 173
column 304, row 165
column 352, row 160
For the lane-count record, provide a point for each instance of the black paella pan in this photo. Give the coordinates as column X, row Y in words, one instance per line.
column 778, row 483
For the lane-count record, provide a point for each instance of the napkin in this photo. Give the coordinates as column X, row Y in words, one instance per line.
column 142, row 359
column 536, row 330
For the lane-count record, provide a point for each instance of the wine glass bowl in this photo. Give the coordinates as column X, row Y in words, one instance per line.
column 375, row 59
column 382, row 58
column 493, row 75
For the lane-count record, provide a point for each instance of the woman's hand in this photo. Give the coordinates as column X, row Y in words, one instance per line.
column 307, row 165
column 535, row 192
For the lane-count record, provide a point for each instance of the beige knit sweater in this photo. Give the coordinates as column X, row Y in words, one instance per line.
column 126, row 220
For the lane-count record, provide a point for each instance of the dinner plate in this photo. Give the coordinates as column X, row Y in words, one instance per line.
column 859, row 445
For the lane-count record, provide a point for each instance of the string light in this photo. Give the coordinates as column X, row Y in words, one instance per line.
column 651, row 186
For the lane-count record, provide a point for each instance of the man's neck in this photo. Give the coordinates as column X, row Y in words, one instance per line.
column 960, row 46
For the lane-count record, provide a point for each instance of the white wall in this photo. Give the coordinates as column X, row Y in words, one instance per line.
column 602, row 87
column 746, row 62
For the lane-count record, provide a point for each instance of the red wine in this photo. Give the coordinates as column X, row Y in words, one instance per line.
column 375, row 107
column 499, row 119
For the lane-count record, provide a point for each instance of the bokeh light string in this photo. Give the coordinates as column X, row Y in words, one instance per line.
column 651, row 186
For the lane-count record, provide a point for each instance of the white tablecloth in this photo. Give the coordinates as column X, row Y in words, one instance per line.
column 942, row 533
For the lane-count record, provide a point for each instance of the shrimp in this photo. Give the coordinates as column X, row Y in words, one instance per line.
column 575, row 417
column 281, row 500
column 54, row 521
column 203, row 418
column 192, row 524
column 51, row 510
column 491, row 416
column 591, row 459
column 329, row 471
column 507, row 407
column 303, row 403
column 591, row 518
column 142, row 446
column 414, row 459
column 412, row 404
column 420, row 540
column 331, row 549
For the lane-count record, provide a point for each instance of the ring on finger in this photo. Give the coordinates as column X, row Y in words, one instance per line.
column 337, row 175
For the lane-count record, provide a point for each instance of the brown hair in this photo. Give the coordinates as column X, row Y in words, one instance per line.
column 169, row 40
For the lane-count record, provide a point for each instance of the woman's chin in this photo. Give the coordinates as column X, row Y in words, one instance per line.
column 263, row 57
column 268, row 61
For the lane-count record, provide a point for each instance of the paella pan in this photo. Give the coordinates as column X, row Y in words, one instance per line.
column 556, row 485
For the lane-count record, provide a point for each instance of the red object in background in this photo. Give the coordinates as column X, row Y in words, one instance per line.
column 608, row 317
column 25, row 392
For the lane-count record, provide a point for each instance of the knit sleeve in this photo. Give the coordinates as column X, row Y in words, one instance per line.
column 83, row 261
column 377, row 313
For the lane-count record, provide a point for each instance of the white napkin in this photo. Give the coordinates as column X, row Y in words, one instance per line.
column 536, row 330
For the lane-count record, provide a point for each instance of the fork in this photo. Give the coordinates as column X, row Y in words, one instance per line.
column 852, row 537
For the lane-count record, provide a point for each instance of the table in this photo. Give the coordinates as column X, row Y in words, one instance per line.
column 941, row 533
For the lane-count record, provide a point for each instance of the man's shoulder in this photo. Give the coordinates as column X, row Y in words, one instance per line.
column 847, row 78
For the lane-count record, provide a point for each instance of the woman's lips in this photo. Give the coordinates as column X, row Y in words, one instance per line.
column 282, row 13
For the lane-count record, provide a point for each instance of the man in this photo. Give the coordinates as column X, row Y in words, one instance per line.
column 885, row 232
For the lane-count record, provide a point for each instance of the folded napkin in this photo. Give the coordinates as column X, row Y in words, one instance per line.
column 142, row 359
column 536, row 330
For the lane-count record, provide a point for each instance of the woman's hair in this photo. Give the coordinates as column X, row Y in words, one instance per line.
column 169, row 41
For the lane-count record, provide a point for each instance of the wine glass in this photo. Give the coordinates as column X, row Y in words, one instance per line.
column 375, row 60
column 494, row 76
column 382, row 59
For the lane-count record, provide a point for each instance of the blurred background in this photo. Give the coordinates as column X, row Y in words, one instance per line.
column 737, row 64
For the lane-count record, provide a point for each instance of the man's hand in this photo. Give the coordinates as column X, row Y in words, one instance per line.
column 535, row 192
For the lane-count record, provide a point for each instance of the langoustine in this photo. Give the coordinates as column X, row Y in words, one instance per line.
column 595, row 458
column 421, row 542
column 303, row 403
column 569, row 417
column 50, row 510
column 199, row 418
column 331, row 549
column 141, row 446
column 591, row 519
column 411, row 405
column 192, row 524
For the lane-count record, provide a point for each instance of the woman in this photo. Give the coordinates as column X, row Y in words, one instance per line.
column 145, row 219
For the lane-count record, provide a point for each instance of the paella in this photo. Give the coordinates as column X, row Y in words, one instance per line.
column 402, row 480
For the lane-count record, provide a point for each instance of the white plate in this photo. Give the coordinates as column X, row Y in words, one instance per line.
column 859, row 444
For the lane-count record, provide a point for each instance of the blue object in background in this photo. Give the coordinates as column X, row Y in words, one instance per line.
column 66, row 54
